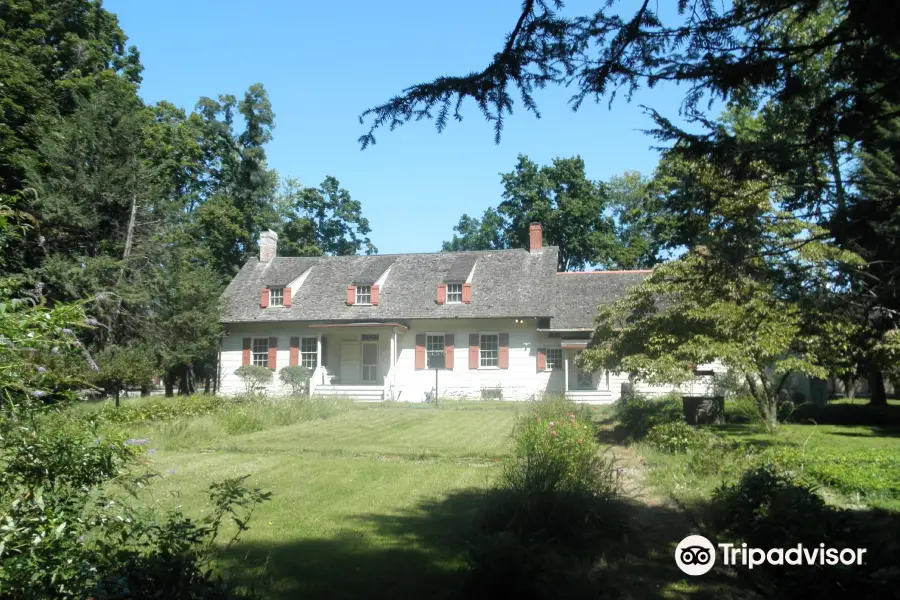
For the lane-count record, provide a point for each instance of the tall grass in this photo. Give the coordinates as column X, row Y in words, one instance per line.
column 237, row 417
column 555, row 511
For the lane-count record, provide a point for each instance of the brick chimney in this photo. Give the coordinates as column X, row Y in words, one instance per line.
column 268, row 245
column 535, row 238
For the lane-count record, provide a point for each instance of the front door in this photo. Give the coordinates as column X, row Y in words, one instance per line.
column 585, row 380
column 350, row 366
column 370, row 362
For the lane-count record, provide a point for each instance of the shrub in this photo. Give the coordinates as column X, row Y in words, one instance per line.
column 500, row 566
column 64, row 537
column 151, row 410
column 768, row 508
column 63, row 534
column 678, row 437
column 557, row 485
column 741, row 409
column 556, row 511
column 255, row 377
column 637, row 414
column 556, row 451
column 297, row 378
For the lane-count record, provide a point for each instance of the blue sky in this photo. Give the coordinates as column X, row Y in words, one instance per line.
column 323, row 63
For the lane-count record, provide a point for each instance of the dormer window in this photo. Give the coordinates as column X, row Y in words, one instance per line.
column 276, row 296
column 364, row 294
column 454, row 293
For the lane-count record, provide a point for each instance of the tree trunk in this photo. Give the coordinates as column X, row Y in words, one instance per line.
column 145, row 391
column 876, row 387
column 183, row 382
column 169, row 381
column 766, row 401
column 117, row 397
column 207, row 386
column 850, row 387
column 129, row 240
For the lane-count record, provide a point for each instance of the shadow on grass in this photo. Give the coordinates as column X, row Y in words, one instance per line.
column 421, row 553
column 884, row 417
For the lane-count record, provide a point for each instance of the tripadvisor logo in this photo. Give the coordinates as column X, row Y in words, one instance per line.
column 696, row 555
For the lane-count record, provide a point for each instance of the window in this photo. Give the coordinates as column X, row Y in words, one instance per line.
column 308, row 352
column 489, row 350
column 434, row 351
column 276, row 296
column 369, row 337
column 261, row 352
column 454, row 293
column 364, row 294
column 554, row 359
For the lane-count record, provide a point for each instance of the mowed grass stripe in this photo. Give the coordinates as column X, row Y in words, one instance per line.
column 398, row 431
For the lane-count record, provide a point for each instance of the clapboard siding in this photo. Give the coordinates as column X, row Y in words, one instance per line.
column 520, row 381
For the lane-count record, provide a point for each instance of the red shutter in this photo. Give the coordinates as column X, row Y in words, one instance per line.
column 441, row 293
column 473, row 350
column 541, row 360
column 448, row 350
column 245, row 353
column 264, row 298
column 295, row 352
column 273, row 352
column 351, row 295
column 467, row 293
column 503, row 355
column 287, row 297
column 375, row 294
column 420, row 351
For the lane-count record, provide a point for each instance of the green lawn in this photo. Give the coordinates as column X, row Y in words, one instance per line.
column 372, row 502
column 856, row 466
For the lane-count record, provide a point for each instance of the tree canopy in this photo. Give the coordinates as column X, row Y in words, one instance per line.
column 146, row 210
column 580, row 216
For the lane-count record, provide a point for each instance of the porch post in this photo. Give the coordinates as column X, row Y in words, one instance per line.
column 392, row 349
column 319, row 355
column 566, row 369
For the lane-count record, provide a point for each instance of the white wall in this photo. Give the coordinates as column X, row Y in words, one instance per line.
column 232, row 350
column 520, row 381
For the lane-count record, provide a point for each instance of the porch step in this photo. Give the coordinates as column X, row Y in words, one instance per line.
column 590, row 396
column 362, row 393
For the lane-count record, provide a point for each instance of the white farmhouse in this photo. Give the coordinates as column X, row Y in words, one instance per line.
column 494, row 324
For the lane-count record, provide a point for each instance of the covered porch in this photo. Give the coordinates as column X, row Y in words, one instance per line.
column 356, row 359
column 582, row 386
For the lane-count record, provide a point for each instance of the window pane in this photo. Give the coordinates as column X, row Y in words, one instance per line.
column 454, row 293
column 261, row 352
column 276, row 297
column 363, row 294
column 554, row 358
column 434, row 351
column 308, row 352
column 488, row 350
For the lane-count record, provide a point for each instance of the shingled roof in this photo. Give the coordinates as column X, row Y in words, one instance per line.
column 577, row 295
column 505, row 284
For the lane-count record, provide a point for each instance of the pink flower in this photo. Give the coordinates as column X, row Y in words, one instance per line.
column 551, row 424
column 579, row 440
column 553, row 433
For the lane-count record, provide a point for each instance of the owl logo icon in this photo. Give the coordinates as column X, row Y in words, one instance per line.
column 695, row 555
